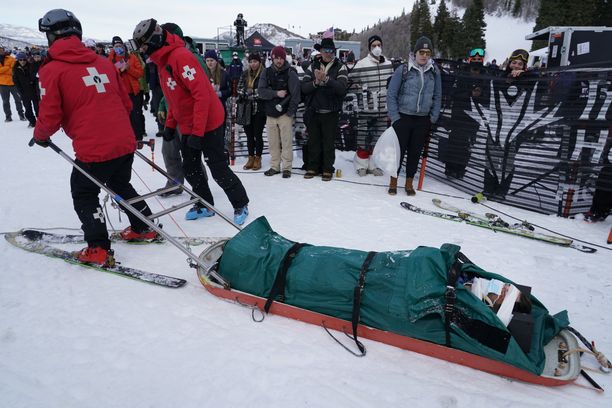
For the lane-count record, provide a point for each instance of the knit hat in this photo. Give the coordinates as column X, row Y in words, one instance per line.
column 211, row 54
column 423, row 43
column 254, row 56
column 173, row 29
column 328, row 43
column 21, row 55
column 279, row 51
column 372, row 39
column 117, row 40
column 89, row 43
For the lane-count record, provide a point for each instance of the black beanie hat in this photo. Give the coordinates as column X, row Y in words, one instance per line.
column 372, row 39
column 117, row 40
column 254, row 56
column 423, row 43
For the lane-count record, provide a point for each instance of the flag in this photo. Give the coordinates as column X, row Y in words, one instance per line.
column 329, row 33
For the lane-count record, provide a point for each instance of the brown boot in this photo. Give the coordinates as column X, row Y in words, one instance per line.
column 249, row 163
column 392, row 186
column 256, row 163
column 409, row 189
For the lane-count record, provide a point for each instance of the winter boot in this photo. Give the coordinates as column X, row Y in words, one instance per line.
column 256, row 163
column 130, row 235
column 96, row 255
column 240, row 215
column 249, row 164
column 198, row 212
column 408, row 187
column 393, row 186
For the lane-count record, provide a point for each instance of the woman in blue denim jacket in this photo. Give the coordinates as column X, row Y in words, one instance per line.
column 414, row 100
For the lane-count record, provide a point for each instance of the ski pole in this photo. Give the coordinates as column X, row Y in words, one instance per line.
column 135, row 212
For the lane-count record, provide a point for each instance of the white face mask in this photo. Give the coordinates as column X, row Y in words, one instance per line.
column 376, row 51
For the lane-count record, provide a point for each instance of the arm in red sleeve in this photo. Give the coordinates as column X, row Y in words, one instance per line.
column 50, row 114
column 192, row 76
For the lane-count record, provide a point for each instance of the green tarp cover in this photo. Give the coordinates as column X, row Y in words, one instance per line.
column 404, row 291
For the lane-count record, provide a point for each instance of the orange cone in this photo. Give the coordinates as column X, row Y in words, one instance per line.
column 610, row 237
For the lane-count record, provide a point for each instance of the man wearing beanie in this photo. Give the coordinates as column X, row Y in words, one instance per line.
column 279, row 87
column 414, row 100
column 324, row 83
column 196, row 110
column 370, row 77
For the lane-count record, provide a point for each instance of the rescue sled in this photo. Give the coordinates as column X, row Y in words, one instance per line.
column 560, row 366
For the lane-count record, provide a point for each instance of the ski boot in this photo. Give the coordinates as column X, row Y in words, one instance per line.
column 240, row 215
column 96, row 255
column 198, row 212
column 148, row 235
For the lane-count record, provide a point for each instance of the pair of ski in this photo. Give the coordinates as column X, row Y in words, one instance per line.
column 495, row 223
column 41, row 242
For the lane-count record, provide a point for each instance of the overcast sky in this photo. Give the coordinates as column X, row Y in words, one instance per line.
column 202, row 18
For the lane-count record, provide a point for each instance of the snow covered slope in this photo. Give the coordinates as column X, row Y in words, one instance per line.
column 74, row 337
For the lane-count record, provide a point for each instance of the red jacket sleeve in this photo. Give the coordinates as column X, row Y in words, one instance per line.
column 123, row 93
column 192, row 76
column 50, row 111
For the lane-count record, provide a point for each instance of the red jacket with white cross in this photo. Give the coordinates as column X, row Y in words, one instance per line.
column 83, row 93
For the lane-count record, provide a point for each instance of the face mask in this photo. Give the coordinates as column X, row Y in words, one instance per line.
column 376, row 51
column 118, row 50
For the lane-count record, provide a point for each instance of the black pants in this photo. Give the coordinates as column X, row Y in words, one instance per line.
column 411, row 132
column 602, row 199
column 322, row 129
column 30, row 102
column 116, row 175
column 136, row 116
column 254, row 134
column 212, row 145
column 5, row 92
column 156, row 95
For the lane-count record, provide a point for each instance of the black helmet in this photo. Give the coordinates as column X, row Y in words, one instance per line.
column 149, row 33
column 59, row 23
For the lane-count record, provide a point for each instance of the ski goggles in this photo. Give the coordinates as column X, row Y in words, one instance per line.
column 477, row 51
column 328, row 50
column 520, row 54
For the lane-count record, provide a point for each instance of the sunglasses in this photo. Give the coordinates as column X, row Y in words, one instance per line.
column 477, row 51
column 424, row 52
column 328, row 50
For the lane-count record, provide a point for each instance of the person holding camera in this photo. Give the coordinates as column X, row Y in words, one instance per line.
column 324, row 84
column 279, row 87
column 251, row 106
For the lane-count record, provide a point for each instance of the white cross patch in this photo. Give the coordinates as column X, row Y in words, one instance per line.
column 171, row 83
column 99, row 215
column 189, row 72
column 96, row 79
column 43, row 91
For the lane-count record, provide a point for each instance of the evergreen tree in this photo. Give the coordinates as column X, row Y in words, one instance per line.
column 415, row 19
column 425, row 26
column 517, row 9
column 441, row 31
column 474, row 26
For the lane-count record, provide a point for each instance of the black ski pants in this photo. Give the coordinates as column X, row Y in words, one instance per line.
column 411, row 132
column 116, row 175
column 136, row 116
column 212, row 145
column 322, row 130
column 254, row 134
column 30, row 102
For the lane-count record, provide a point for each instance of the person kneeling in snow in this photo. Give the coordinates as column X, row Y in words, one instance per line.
column 84, row 94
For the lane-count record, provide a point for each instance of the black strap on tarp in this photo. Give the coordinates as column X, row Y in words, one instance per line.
column 278, row 287
column 450, row 296
column 357, row 292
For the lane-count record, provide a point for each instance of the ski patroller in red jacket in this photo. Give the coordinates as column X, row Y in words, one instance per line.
column 83, row 93
column 193, row 104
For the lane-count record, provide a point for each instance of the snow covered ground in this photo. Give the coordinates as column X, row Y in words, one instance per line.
column 75, row 337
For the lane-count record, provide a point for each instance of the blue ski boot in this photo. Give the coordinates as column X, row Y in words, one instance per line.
column 240, row 215
column 198, row 212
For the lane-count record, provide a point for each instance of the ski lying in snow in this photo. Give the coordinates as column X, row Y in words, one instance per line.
column 471, row 220
column 40, row 247
column 55, row 238
column 488, row 217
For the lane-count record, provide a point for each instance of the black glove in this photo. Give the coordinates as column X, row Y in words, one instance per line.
column 195, row 142
column 43, row 143
column 169, row 134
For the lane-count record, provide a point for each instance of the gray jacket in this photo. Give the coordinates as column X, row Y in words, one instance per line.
column 415, row 90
